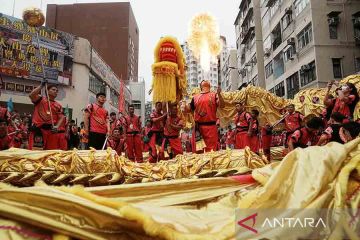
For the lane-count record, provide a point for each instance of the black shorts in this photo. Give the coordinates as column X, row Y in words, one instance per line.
column 97, row 140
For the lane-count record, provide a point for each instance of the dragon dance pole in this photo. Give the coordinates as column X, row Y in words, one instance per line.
column 35, row 18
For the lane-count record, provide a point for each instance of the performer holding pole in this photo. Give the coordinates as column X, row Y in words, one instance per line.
column 133, row 136
column 48, row 116
column 244, row 123
column 96, row 121
column 204, row 106
column 172, row 128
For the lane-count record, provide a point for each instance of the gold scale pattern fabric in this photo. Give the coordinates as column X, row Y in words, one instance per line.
column 22, row 167
column 189, row 209
column 270, row 105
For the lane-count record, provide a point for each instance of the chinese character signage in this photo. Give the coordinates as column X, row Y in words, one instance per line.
column 20, row 53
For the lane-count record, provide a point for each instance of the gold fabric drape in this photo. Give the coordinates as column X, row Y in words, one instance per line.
column 189, row 209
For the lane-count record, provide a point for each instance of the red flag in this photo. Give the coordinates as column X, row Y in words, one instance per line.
column 121, row 97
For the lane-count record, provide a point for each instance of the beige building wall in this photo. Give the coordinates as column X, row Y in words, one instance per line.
column 344, row 47
column 321, row 49
column 249, row 43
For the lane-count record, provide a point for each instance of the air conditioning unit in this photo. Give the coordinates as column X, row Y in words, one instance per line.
column 291, row 41
column 333, row 21
column 288, row 10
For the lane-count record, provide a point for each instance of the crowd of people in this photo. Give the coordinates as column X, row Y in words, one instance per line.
column 164, row 135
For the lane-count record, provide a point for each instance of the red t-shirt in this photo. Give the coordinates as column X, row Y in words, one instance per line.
column 293, row 121
column 42, row 115
column 168, row 130
column 204, row 106
column 98, row 118
column 159, row 125
column 132, row 124
column 343, row 106
column 242, row 121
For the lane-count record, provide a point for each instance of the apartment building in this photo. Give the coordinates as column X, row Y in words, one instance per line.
column 307, row 43
column 195, row 74
column 249, row 44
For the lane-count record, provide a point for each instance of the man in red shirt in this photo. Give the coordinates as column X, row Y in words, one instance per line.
column 96, row 121
column 116, row 142
column 243, row 122
column 157, row 131
column 306, row 136
column 134, row 142
column 254, row 138
column 5, row 140
column 293, row 121
column 230, row 138
column 145, row 135
column 172, row 128
column 204, row 106
column 113, row 122
column 45, row 119
column 347, row 98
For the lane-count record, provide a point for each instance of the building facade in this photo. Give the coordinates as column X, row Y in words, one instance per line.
column 249, row 44
column 307, row 43
column 111, row 29
column 232, row 76
column 137, row 90
column 70, row 62
column 195, row 74
column 148, row 110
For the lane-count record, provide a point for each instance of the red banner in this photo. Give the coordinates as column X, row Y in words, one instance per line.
column 122, row 97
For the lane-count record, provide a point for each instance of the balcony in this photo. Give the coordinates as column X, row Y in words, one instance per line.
column 246, row 33
column 248, row 14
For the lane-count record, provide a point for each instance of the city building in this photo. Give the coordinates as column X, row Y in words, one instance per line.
column 195, row 74
column 69, row 61
column 137, row 90
column 222, row 69
column 307, row 43
column 232, row 76
column 111, row 29
column 249, row 44
column 148, row 110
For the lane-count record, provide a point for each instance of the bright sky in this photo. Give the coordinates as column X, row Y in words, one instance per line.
column 155, row 18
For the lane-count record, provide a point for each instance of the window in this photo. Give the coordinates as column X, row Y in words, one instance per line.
column 300, row 5
column 333, row 32
column 114, row 98
column 278, row 66
column 308, row 74
column 357, row 64
column 276, row 36
column 305, row 36
column 95, row 84
column 268, row 69
column 137, row 104
column 288, row 53
column 292, row 85
column 280, row 89
column 336, row 62
column 286, row 20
